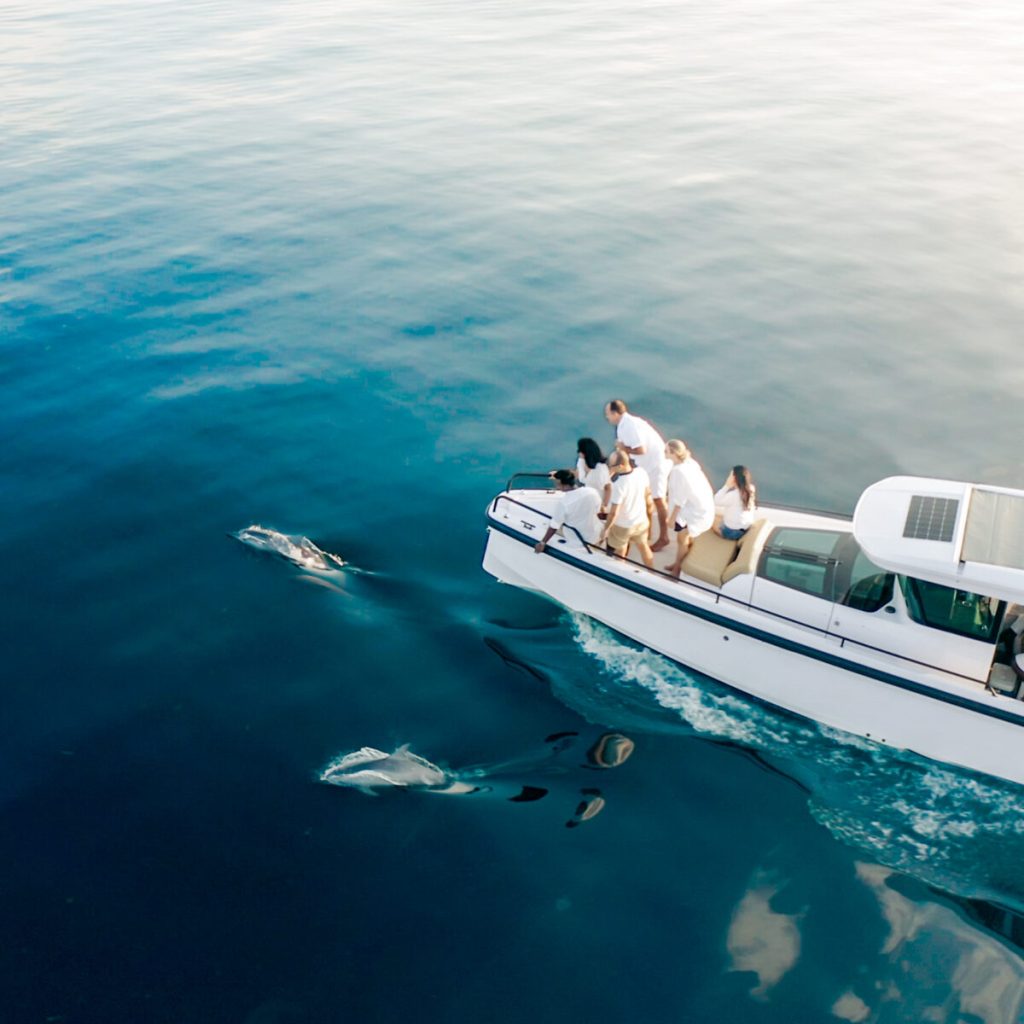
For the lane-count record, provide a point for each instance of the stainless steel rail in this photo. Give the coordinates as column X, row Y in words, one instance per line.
column 720, row 597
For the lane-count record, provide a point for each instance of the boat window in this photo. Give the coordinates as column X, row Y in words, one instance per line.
column 808, row 576
column 870, row 588
column 810, row 542
column 801, row 559
column 955, row 611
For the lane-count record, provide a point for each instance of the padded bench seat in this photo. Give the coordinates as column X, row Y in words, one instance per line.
column 715, row 560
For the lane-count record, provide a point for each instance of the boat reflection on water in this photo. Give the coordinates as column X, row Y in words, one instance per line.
column 932, row 964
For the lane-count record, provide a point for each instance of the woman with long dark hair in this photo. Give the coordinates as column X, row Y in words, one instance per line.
column 592, row 470
column 737, row 502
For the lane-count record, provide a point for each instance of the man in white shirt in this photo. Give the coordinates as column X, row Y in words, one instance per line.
column 690, row 498
column 577, row 507
column 638, row 438
column 629, row 514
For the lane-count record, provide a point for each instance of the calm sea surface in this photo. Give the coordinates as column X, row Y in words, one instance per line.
column 339, row 269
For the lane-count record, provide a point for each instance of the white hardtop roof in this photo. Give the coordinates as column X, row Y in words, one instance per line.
column 968, row 536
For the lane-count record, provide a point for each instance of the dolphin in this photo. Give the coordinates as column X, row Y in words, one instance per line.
column 369, row 770
column 590, row 807
column 610, row 750
column 298, row 550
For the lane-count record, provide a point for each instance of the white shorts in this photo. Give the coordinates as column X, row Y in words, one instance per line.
column 657, row 470
column 696, row 527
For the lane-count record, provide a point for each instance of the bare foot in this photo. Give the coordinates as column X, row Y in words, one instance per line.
column 660, row 545
column 674, row 570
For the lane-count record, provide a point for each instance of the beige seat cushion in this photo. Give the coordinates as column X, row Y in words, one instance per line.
column 708, row 558
column 750, row 547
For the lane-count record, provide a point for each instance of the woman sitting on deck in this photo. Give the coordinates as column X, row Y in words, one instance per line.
column 736, row 501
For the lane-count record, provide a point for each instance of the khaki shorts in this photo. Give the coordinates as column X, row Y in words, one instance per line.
column 620, row 536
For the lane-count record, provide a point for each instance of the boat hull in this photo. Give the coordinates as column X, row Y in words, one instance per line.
column 812, row 678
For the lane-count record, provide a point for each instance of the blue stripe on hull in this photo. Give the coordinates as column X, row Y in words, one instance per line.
column 766, row 637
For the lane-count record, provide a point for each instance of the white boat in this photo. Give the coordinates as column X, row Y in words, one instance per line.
column 902, row 625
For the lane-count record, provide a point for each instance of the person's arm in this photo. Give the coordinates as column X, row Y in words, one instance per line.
column 606, row 497
column 549, row 533
column 557, row 522
column 628, row 439
column 672, row 498
column 650, row 505
column 613, row 511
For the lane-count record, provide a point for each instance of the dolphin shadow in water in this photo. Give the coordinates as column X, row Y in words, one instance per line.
column 373, row 771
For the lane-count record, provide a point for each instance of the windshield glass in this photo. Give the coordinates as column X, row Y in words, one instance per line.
column 955, row 611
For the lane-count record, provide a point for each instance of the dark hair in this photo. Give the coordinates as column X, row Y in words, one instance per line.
column 617, row 405
column 566, row 477
column 590, row 450
column 745, row 485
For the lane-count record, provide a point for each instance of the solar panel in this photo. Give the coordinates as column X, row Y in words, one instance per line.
column 931, row 518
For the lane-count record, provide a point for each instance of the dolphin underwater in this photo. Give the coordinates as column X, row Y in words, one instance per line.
column 298, row 550
column 370, row 770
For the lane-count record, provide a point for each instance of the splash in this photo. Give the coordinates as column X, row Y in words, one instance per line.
column 952, row 829
column 298, row 550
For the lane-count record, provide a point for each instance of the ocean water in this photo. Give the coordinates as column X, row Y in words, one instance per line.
column 338, row 269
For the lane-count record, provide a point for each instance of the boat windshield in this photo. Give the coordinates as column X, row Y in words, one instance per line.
column 801, row 560
column 954, row 611
column 869, row 587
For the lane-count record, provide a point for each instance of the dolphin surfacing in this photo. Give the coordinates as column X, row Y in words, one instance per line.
column 298, row 550
column 370, row 770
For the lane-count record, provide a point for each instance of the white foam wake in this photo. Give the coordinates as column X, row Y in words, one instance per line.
column 950, row 827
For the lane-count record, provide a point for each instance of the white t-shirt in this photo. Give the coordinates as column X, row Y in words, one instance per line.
column 635, row 432
column 734, row 515
column 690, row 489
column 629, row 492
column 578, row 508
column 596, row 478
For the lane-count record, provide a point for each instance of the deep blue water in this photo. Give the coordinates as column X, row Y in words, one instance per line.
column 339, row 269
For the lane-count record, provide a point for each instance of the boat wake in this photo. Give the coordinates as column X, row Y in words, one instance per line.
column 953, row 829
column 298, row 550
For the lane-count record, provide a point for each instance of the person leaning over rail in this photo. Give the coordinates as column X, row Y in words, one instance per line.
column 736, row 500
column 576, row 507
column 691, row 499
column 629, row 515
column 638, row 438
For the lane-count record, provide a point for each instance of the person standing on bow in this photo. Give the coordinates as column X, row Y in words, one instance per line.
column 636, row 437
column 629, row 515
column 691, row 499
